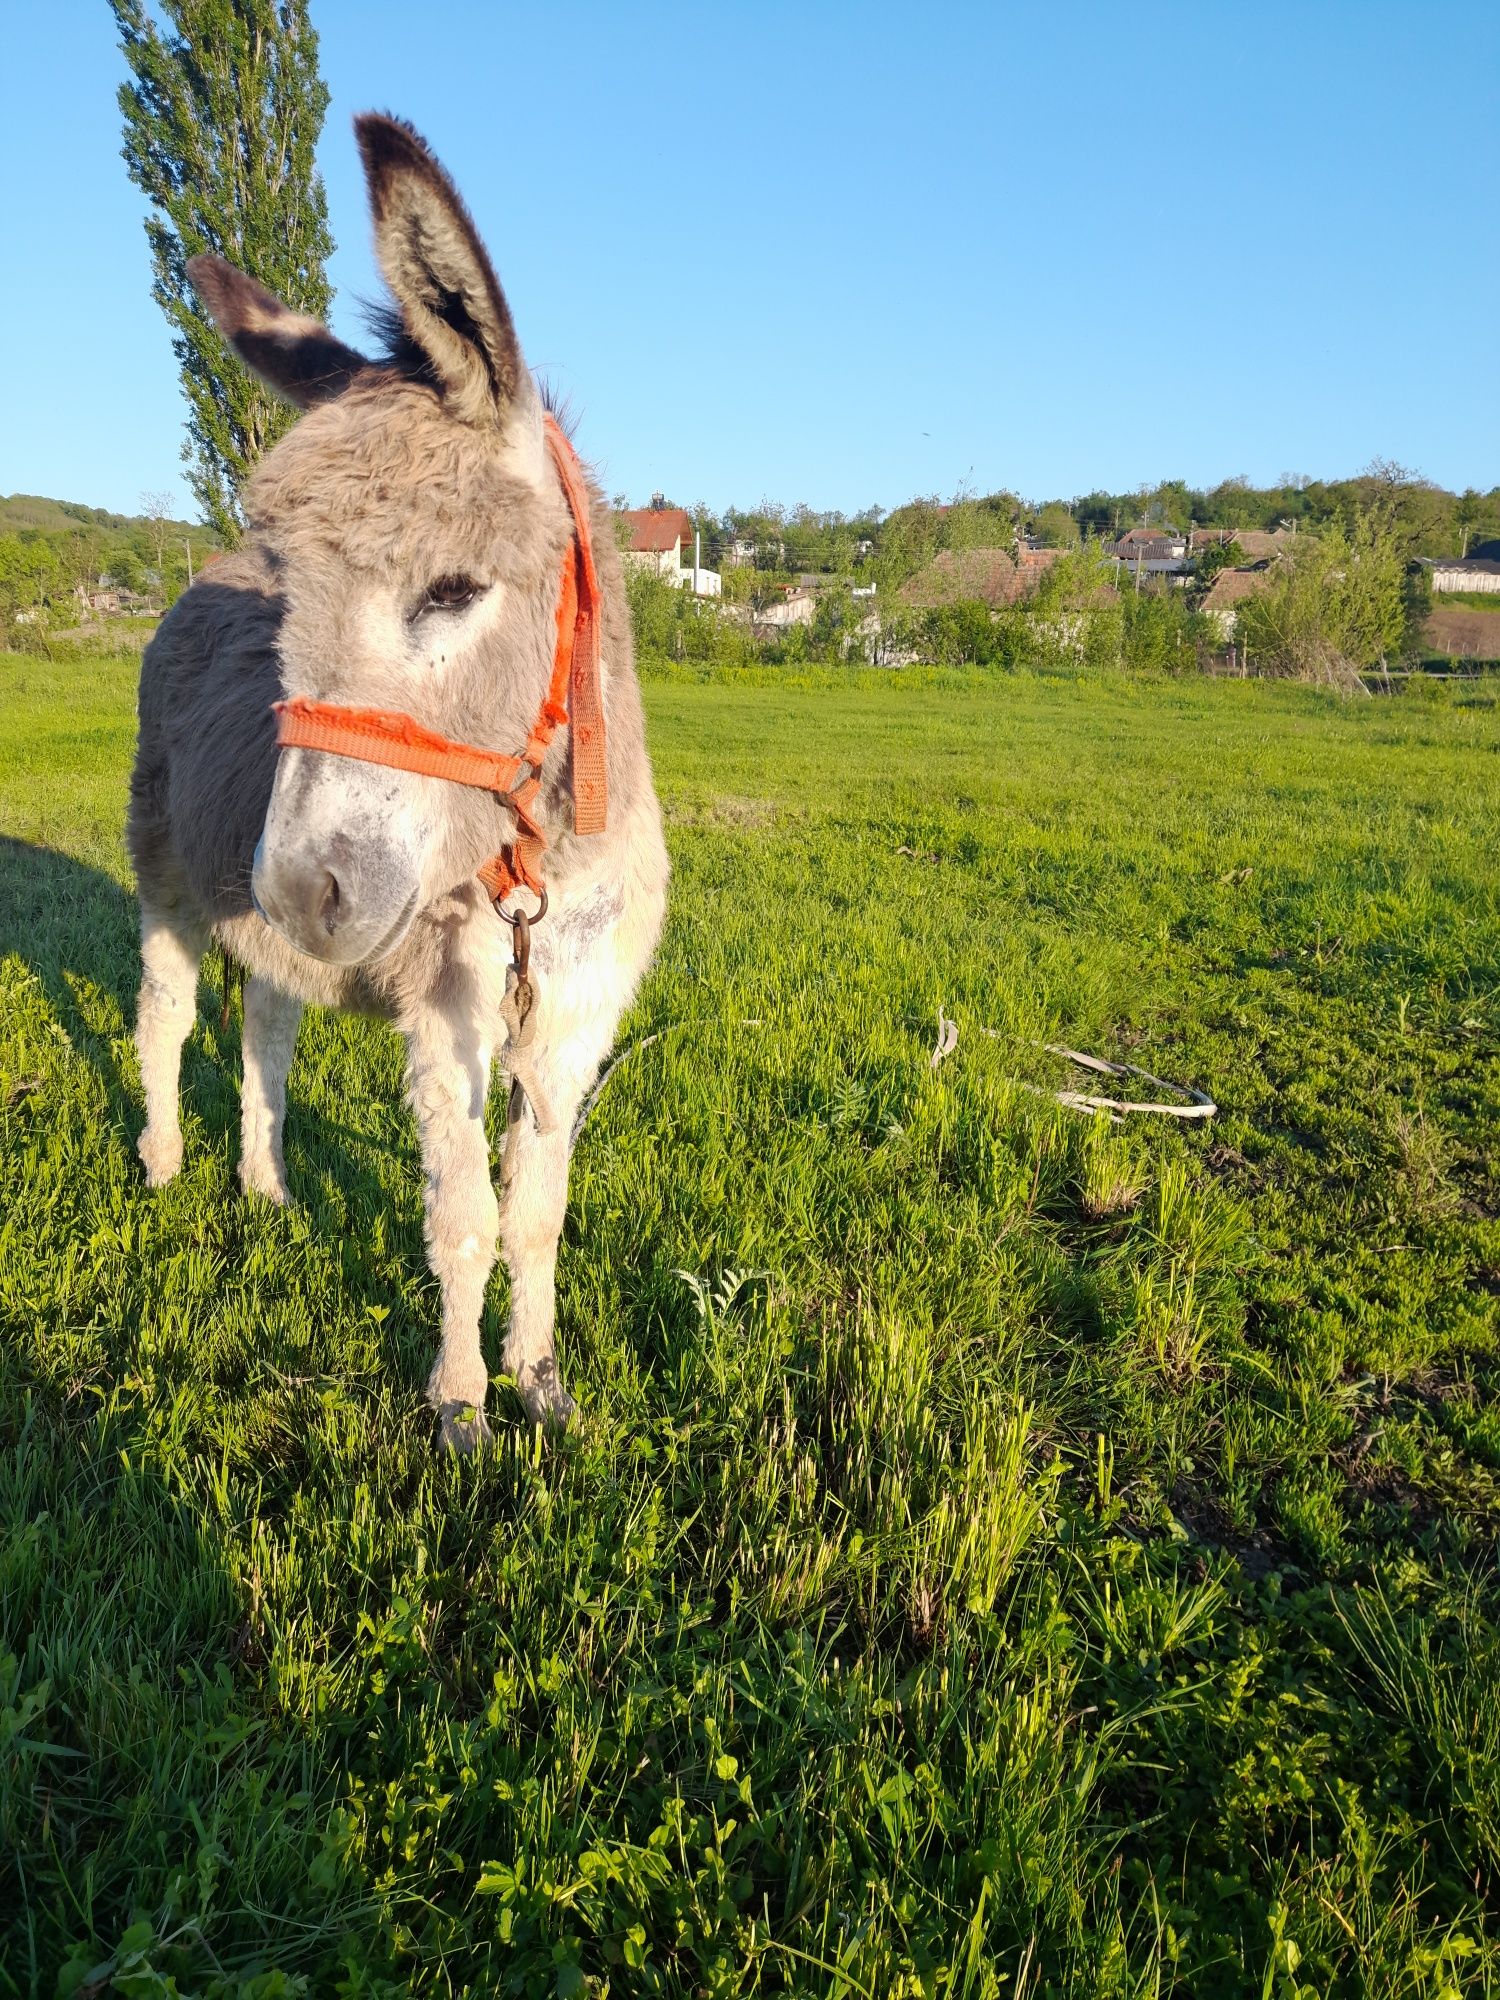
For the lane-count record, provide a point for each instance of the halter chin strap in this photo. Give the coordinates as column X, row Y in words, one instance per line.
column 386, row 736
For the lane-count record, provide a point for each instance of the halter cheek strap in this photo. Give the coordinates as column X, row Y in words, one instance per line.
column 387, row 736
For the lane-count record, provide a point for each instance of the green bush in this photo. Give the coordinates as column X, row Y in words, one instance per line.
column 1160, row 634
column 957, row 635
column 676, row 625
column 1339, row 602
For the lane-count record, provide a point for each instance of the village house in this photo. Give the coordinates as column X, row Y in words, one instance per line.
column 1478, row 574
column 1229, row 590
column 1258, row 543
column 746, row 552
column 662, row 539
column 1151, row 552
column 1033, row 562
column 993, row 577
column 793, row 607
column 964, row 576
column 656, row 536
column 110, row 600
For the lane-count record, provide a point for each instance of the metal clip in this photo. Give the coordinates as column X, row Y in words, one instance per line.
column 520, row 925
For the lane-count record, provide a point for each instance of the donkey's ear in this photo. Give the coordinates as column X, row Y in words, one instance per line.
column 296, row 356
column 451, row 303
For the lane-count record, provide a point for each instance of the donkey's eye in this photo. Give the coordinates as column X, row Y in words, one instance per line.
column 449, row 593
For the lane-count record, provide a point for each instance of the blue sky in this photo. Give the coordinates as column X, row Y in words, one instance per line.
column 848, row 253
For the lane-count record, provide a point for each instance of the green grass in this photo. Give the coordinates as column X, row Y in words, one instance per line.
column 1021, row 1555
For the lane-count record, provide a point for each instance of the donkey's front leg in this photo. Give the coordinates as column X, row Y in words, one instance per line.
column 170, row 950
column 268, row 1045
column 449, row 1069
column 571, row 1043
column 534, row 1201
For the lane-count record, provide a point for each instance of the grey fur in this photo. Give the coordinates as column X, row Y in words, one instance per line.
column 350, row 885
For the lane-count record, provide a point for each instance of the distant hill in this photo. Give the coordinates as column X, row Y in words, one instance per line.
column 58, row 517
column 58, row 556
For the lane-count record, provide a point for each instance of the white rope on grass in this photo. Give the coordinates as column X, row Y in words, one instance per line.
column 1199, row 1104
column 582, row 1117
column 947, row 1039
column 672, row 1028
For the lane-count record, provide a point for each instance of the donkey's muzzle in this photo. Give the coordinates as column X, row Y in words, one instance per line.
column 338, row 905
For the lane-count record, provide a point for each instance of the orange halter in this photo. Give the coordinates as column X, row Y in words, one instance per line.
column 385, row 736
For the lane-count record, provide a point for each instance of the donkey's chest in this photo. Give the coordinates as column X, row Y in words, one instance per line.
column 580, row 972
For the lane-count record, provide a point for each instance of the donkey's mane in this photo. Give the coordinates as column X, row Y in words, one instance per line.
column 403, row 357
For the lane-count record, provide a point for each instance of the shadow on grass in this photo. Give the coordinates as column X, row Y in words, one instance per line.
column 136, row 1635
column 78, row 932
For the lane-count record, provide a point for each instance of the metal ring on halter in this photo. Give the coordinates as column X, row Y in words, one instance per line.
column 535, row 918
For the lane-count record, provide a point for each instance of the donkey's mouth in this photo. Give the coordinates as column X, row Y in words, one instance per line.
column 335, row 937
column 397, row 931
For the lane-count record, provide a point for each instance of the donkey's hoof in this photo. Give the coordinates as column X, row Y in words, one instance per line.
column 546, row 1401
column 161, row 1156
column 465, row 1429
column 263, row 1178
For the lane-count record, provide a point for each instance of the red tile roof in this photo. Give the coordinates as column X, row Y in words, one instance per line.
column 655, row 531
column 1232, row 586
column 990, row 576
column 1259, row 542
column 964, row 575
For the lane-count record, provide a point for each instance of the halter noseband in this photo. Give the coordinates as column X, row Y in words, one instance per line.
column 386, row 736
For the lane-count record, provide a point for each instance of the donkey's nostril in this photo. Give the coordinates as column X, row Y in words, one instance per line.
column 328, row 903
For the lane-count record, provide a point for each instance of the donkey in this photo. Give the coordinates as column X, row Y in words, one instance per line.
column 400, row 575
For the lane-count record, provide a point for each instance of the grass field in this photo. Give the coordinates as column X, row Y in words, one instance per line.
column 1003, row 1553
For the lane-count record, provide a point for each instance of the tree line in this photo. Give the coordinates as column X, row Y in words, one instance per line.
column 777, row 544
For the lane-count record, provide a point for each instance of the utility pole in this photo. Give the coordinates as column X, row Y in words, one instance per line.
column 187, row 545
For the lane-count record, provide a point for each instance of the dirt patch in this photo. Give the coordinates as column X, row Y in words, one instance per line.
column 1387, row 1485
column 1229, row 1163
column 1208, row 1525
column 1467, row 635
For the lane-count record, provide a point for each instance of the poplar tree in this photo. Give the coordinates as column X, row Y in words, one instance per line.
column 222, row 116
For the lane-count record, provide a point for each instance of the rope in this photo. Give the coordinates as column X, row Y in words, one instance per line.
column 1199, row 1104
